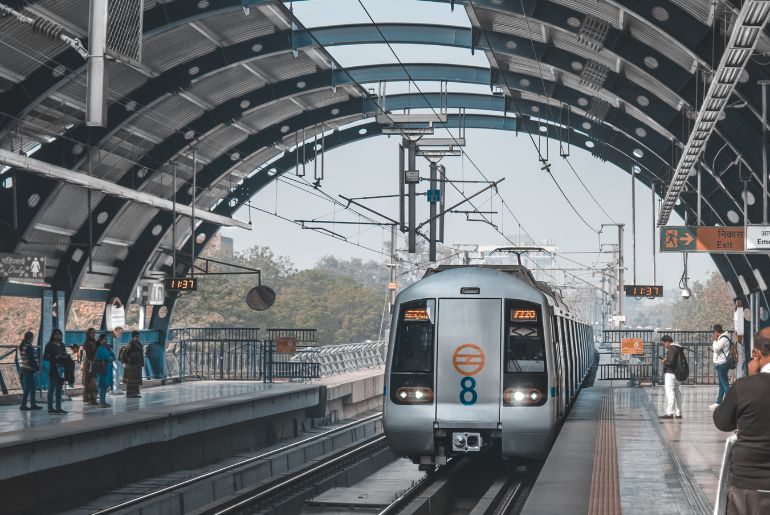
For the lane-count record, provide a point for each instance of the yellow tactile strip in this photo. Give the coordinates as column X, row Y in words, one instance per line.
column 605, row 484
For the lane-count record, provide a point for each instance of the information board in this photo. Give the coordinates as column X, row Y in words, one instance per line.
column 758, row 237
column 631, row 346
column 702, row 239
column 17, row 266
column 286, row 344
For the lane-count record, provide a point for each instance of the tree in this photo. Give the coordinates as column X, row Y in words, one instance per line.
column 710, row 304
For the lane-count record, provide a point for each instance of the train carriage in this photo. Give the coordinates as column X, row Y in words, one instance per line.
column 481, row 356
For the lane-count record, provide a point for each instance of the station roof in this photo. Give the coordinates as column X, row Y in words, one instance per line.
column 245, row 90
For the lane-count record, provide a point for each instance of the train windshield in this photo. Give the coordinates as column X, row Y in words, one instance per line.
column 413, row 350
column 524, row 346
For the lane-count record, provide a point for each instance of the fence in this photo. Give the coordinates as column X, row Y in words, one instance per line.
column 647, row 366
column 9, row 370
column 346, row 358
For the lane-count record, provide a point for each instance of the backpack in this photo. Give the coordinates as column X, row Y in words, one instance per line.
column 123, row 354
column 681, row 367
column 732, row 354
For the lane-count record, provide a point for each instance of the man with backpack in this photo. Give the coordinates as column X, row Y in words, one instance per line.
column 725, row 358
column 675, row 370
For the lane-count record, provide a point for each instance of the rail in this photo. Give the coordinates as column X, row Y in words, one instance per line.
column 346, row 358
column 5, row 352
column 214, row 473
column 723, row 488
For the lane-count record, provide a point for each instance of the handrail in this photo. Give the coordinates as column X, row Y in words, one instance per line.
column 723, row 488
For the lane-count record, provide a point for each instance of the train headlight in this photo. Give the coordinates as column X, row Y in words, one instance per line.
column 414, row 395
column 522, row 396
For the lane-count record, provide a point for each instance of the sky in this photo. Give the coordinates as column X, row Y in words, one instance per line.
column 370, row 167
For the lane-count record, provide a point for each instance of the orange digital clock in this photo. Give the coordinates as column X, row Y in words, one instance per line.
column 643, row 290
column 181, row 284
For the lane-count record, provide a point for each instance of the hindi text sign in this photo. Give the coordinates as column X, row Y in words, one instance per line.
column 631, row 346
column 758, row 237
column 702, row 239
column 286, row 344
column 17, row 266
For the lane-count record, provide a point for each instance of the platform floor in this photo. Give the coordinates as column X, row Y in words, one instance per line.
column 17, row 425
column 669, row 466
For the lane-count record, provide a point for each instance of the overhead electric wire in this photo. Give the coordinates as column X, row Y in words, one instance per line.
column 566, row 158
column 519, row 112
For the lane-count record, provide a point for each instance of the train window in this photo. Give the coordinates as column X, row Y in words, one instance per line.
column 524, row 346
column 413, row 350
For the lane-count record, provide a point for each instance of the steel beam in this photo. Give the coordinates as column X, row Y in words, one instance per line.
column 748, row 28
column 28, row 164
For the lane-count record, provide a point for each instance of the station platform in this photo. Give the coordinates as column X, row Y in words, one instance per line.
column 613, row 455
column 173, row 427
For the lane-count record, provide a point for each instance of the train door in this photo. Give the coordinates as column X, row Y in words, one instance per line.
column 468, row 368
column 559, row 359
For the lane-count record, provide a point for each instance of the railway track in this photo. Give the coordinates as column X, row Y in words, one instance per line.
column 475, row 485
column 248, row 498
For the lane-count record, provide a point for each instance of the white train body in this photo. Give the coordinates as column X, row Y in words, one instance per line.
column 481, row 356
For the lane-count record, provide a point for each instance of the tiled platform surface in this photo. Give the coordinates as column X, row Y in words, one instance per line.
column 28, row 439
column 668, row 467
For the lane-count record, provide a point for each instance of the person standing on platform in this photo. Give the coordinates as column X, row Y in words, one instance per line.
column 103, row 368
column 746, row 407
column 89, row 378
column 671, row 368
column 29, row 367
column 739, row 322
column 133, row 361
column 721, row 349
column 55, row 354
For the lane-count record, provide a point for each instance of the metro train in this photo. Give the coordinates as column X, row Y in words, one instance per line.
column 481, row 356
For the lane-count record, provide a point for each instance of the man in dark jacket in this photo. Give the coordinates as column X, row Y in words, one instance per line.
column 673, row 394
column 746, row 407
column 90, row 390
column 29, row 367
column 133, row 361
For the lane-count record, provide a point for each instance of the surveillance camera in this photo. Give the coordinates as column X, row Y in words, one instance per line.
column 686, row 293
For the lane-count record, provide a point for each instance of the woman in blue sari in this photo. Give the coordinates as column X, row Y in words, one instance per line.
column 103, row 368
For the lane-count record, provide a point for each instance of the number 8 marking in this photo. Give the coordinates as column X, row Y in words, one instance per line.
column 468, row 385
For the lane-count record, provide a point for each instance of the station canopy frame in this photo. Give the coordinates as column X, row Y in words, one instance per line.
column 242, row 89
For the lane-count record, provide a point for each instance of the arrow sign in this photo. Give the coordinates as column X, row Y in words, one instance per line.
column 702, row 239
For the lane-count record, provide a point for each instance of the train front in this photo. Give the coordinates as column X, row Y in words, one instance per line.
column 467, row 368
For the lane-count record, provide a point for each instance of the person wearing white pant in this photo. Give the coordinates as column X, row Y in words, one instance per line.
column 671, row 383
column 739, row 321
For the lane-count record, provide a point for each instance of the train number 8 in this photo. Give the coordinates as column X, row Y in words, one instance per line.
column 468, row 386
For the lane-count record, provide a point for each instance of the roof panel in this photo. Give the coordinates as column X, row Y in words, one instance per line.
column 24, row 51
column 272, row 113
column 235, row 27
column 285, row 66
column 220, row 141
column 73, row 12
column 173, row 47
column 226, row 84
column 166, row 116
column 511, row 24
column 653, row 38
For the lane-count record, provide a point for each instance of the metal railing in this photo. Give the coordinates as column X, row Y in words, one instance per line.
column 302, row 335
column 723, row 488
column 648, row 365
column 9, row 368
column 350, row 357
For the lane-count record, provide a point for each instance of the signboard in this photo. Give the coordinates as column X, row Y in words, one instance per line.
column 631, row 346
column 643, row 290
column 22, row 267
column 286, row 344
column 157, row 294
column 181, row 284
column 702, row 239
column 393, row 286
column 758, row 237
column 411, row 176
column 433, row 196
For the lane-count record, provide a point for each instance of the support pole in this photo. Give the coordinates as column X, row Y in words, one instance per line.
column 700, row 202
column 392, row 267
column 96, row 81
column 764, row 151
column 654, row 243
column 401, row 185
column 173, row 221
column 442, row 191
column 633, row 216
column 621, row 282
column 432, row 225
column 192, row 219
column 412, row 200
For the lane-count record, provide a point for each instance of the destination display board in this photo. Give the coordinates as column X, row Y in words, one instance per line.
column 16, row 266
column 702, row 239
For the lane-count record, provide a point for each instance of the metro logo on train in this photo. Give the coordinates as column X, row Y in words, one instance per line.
column 468, row 360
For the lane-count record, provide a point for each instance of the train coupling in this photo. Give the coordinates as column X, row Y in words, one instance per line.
column 466, row 442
